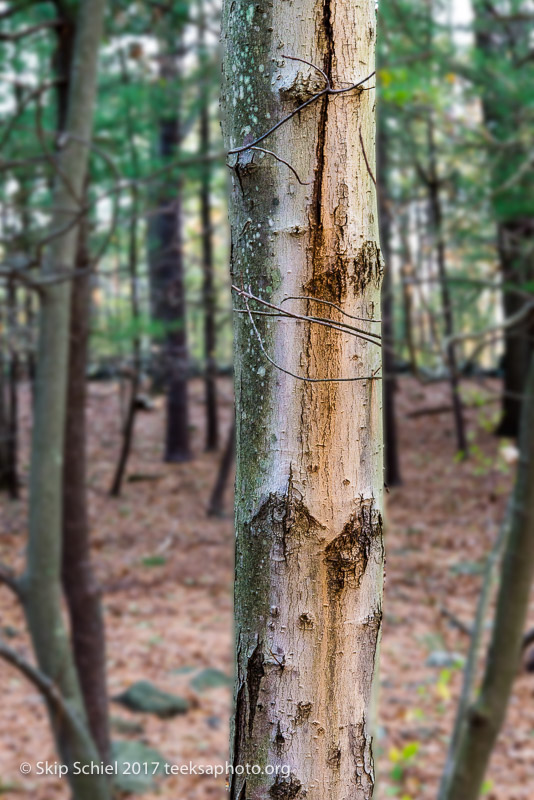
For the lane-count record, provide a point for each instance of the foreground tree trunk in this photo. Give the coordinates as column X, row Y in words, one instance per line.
column 42, row 581
column 485, row 717
column 81, row 589
column 309, row 551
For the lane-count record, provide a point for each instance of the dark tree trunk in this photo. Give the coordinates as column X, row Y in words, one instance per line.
column 12, row 480
column 176, row 355
column 391, row 462
column 503, row 94
column 516, row 252
column 79, row 583
column 3, row 420
column 208, row 290
column 433, row 185
column 65, row 37
column 128, row 428
column 216, row 505
column 30, row 325
column 11, row 471
column 168, row 297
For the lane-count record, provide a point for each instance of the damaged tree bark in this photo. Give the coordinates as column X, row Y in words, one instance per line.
column 309, row 552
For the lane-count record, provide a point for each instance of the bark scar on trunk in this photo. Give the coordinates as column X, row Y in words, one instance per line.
column 368, row 266
column 285, row 789
column 347, row 555
column 288, row 518
column 255, row 673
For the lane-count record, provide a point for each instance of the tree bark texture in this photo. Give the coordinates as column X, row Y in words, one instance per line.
column 309, row 552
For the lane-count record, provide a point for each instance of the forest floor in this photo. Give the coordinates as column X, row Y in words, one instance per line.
column 166, row 571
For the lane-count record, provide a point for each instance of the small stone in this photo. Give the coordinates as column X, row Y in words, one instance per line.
column 127, row 726
column 442, row 659
column 144, row 697
column 127, row 753
column 210, row 679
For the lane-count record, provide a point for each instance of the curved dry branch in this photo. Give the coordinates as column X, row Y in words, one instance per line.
column 248, row 295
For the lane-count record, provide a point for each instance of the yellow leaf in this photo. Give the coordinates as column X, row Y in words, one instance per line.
column 394, row 754
column 385, row 78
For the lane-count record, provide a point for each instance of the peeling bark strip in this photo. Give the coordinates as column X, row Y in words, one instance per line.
column 309, row 555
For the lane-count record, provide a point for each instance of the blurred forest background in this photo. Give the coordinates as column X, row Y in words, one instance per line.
column 147, row 539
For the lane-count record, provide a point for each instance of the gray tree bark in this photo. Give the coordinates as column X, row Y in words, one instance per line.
column 309, row 552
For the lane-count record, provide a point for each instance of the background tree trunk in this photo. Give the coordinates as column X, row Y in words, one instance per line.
column 42, row 581
column 436, row 220
column 309, row 552
column 216, row 504
column 391, row 450
column 516, row 252
column 168, row 288
column 208, row 288
column 81, row 589
column 502, row 42
column 129, row 422
column 486, row 715
column 11, row 474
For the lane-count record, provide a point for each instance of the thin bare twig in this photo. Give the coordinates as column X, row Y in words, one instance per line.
column 45, row 685
column 18, row 35
column 282, row 161
column 369, row 170
column 9, row 579
column 309, row 63
column 328, row 303
column 245, row 295
column 510, row 322
column 368, row 336
column 328, row 90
